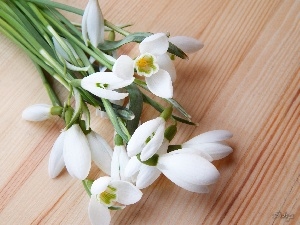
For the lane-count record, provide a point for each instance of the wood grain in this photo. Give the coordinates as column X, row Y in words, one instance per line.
column 246, row 79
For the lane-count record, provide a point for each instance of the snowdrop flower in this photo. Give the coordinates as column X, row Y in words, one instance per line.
column 103, row 84
column 211, row 143
column 145, row 174
column 37, row 112
column 147, row 139
column 93, row 23
column 105, row 193
column 118, row 163
column 187, row 168
column 75, row 150
column 186, row 44
column 153, row 63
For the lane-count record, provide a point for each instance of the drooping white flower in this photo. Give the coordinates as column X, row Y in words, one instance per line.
column 186, row 44
column 105, row 193
column 75, row 151
column 153, row 63
column 145, row 174
column 147, row 138
column 37, row 112
column 93, row 23
column 211, row 143
column 103, row 84
column 118, row 163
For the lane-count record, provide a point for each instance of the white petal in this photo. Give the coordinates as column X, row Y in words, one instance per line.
column 127, row 193
column 156, row 44
column 95, row 24
column 210, row 136
column 190, row 168
column 101, row 152
column 84, row 23
column 138, row 139
column 76, row 68
column 215, row 150
column 98, row 213
column 146, row 176
column 132, row 167
column 193, row 151
column 108, row 78
column 123, row 67
column 165, row 63
column 77, row 155
column 154, row 144
column 119, row 162
column 37, row 112
column 188, row 186
column 160, row 84
column 104, row 93
column 163, row 149
column 100, row 185
column 186, row 44
column 56, row 159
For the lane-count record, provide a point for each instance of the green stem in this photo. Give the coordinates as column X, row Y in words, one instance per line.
column 116, row 28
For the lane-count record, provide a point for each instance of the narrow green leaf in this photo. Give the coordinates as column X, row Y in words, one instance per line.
column 113, row 45
column 136, row 106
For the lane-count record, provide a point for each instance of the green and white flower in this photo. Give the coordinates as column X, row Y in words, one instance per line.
column 93, row 23
column 37, row 112
column 75, row 150
column 147, row 139
column 153, row 63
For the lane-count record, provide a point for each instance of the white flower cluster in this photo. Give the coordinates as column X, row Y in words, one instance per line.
column 135, row 163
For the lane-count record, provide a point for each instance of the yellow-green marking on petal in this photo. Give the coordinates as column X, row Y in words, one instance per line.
column 109, row 196
column 146, row 65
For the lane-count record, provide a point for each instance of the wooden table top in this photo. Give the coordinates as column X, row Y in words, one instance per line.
column 246, row 79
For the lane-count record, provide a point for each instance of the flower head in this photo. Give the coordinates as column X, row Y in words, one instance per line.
column 37, row 112
column 106, row 192
column 147, row 139
column 93, row 23
column 75, row 150
column 153, row 63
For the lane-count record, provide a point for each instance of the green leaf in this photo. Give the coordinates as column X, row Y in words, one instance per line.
column 113, row 45
column 173, row 49
column 136, row 106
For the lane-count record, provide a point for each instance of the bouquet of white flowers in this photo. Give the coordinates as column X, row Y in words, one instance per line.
column 84, row 59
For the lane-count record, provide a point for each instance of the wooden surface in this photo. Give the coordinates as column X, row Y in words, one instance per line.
column 246, row 80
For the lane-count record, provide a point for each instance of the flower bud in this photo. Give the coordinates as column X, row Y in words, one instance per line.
column 37, row 112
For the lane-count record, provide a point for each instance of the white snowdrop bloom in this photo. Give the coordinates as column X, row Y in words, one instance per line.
column 211, row 143
column 118, row 163
column 186, row 44
column 75, row 151
column 147, row 138
column 37, row 112
column 153, row 63
column 103, row 84
column 105, row 193
column 93, row 23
